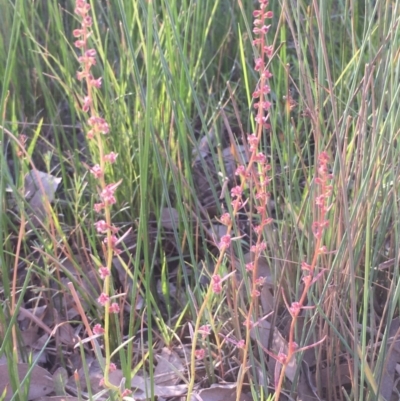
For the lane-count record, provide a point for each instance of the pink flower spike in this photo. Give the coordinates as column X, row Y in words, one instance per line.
column 103, row 299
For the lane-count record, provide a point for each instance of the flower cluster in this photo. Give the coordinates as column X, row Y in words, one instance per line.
column 97, row 128
column 309, row 269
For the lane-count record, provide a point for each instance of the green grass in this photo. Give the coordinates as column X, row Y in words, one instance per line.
column 173, row 72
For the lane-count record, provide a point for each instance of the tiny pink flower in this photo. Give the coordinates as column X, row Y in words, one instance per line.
column 113, row 367
column 295, row 308
column 80, row 75
column 114, row 308
column 111, row 157
column 258, row 229
column 95, row 82
column 217, row 288
column 241, row 344
column 259, row 281
column 104, row 272
column 260, row 119
column 236, row 191
column 240, row 170
column 127, row 392
column 77, row 33
column 107, row 195
column 250, row 266
column 237, row 204
column 259, row 63
column 96, row 171
column 225, row 241
column 98, row 207
column 323, row 249
column 97, row 329
column 255, row 293
column 87, row 102
column 103, row 299
column 216, row 284
column 205, row 330
column 90, row 53
column 307, row 280
column 101, row 226
column 79, row 43
column 258, row 247
column 104, row 128
column 266, row 74
column 282, row 358
column 268, row 50
column 200, row 353
column 87, row 21
column 252, row 140
column 113, row 240
column 226, row 219
column 267, row 221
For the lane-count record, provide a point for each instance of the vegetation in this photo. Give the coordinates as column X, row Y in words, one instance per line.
column 248, row 246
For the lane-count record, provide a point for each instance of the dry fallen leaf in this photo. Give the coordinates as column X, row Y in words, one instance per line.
column 169, row 369
column 169, row 218
column 40, row 383
column 393, row 358
column 40, row 185
column 220, row 392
